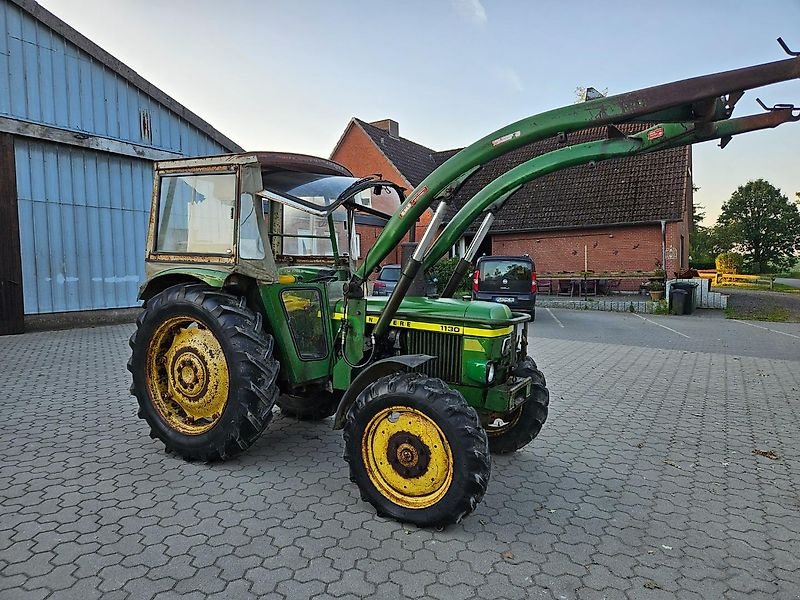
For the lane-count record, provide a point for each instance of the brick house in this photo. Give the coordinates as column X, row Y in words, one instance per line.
column 621, row 215
column 377, row 149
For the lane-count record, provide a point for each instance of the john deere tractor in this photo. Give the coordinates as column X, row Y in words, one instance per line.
column 254, row 298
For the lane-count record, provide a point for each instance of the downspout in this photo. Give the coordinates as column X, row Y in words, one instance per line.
column 664, row 246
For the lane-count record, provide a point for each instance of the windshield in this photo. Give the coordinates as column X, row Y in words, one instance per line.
column 323, row 190
column 505, row 275
column 318, row 189
column 304, row 233
column 390, row 274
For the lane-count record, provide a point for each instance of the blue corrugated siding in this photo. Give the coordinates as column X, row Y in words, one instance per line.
column 83, row 214
column 83, row 221
column 46, row 79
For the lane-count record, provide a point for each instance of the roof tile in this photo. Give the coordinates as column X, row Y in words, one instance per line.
column 413, row 160
column 643, row 188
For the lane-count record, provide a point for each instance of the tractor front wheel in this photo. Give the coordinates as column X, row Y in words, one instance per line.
column 203, row 372
column 511, row 431
column 416, row 450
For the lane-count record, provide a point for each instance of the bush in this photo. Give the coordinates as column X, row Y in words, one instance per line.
column 729, row 262
column 703, row 264
column 443, row 270
column 661, row 307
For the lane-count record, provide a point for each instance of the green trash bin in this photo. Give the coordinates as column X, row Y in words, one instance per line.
column 690, row 287
column 677, row 300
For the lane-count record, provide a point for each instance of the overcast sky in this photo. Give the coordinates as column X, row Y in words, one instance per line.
column 289, row 74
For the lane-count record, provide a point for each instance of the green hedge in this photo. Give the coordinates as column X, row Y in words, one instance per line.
column 443, row 270
column 729, row 262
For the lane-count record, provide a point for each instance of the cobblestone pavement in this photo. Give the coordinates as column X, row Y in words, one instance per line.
column 643, row 484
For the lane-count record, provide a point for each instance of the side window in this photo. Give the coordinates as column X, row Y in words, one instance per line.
column 250, row 244
column 304, row 313
column 196, row 214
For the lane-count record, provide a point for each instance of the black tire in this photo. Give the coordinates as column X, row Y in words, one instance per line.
column 314, row 407
column 247, row 352
column 458, row 425
column 523, row 424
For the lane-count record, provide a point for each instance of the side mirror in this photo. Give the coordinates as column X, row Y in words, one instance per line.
column 377, row 269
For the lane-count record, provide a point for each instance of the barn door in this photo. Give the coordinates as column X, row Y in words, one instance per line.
column 11, row 307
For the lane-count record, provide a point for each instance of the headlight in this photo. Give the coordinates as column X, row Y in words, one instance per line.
column 490, row 371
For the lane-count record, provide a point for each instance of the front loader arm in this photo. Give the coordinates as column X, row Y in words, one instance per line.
column 695, row 99
column 657, row 138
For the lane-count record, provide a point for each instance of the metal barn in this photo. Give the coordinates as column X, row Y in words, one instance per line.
column 78, row 133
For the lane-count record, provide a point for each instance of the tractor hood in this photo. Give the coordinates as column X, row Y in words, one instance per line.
column 443, row 310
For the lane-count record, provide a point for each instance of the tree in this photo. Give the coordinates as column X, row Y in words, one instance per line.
column 704, row 241
column 698, row 214
column 761, row 223
column 704, row 247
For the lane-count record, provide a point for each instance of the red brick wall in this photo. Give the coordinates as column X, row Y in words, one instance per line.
column 628, row 248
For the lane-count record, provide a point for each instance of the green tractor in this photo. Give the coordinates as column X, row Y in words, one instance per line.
column 254, row 298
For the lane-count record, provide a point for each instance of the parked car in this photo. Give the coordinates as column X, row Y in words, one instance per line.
column 388, row 277
column 510, row 280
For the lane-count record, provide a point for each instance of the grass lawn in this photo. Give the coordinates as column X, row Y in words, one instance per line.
column 753, row 302
column 776, row 314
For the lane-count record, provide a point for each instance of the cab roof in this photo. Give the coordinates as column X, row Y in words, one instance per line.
column 269, row 161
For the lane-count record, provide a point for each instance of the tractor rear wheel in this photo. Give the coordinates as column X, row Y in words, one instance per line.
column 309, row 408
column 416, row 450
column 511, row 431
column 203, row 372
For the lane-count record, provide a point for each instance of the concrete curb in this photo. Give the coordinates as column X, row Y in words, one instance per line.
column 82, row 318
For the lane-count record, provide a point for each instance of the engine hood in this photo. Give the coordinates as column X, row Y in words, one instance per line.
column 443, row 310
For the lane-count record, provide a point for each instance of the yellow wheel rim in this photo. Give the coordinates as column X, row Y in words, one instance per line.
column 187, row 375
column 407, row 457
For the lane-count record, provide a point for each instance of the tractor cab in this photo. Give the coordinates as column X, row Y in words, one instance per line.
column 257, row 213
column 279, row 228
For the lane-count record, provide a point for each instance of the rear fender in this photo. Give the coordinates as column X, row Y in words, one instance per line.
column 373, row 372
column 212, row 278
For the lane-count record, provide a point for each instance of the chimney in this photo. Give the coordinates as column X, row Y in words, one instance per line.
column 393, row 127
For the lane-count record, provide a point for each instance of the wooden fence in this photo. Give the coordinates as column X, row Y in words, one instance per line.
column 720, row 278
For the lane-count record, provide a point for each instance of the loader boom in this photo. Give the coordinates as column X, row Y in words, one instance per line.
column 706, row 99
column 695, row 99
column 654, row 139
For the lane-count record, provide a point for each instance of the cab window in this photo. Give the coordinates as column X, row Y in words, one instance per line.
column 196, row 214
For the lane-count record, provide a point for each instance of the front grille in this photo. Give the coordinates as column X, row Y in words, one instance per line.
column 445, row 347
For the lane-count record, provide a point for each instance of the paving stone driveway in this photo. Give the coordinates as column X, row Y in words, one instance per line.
column 643, row 484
